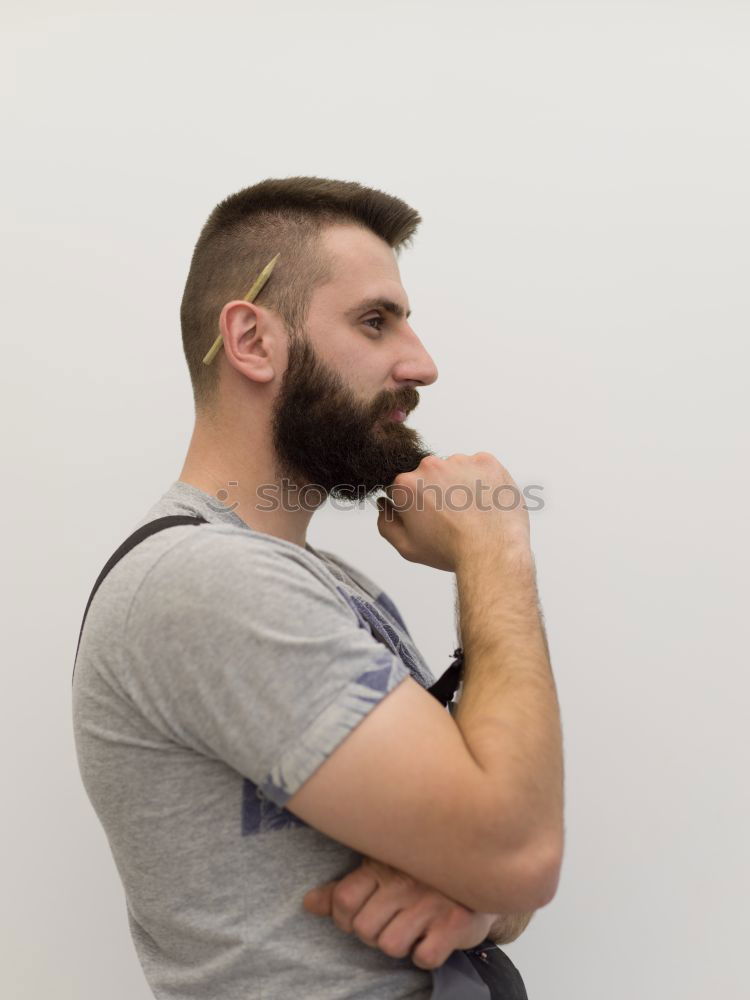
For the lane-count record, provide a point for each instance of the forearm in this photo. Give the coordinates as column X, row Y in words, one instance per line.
column 508, row 712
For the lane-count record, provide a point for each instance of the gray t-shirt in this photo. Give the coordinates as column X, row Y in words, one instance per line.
column 218, row 668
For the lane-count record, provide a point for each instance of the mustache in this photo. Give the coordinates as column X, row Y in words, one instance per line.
column 401, row 399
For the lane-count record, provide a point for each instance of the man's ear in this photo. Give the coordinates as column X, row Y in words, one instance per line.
column 251, row 340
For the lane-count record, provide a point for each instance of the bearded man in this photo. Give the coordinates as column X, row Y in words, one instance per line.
column 291, row 812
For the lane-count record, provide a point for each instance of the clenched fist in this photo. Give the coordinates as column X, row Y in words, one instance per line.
column 448, row 508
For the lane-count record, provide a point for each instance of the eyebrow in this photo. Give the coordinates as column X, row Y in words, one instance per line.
column 379, row 302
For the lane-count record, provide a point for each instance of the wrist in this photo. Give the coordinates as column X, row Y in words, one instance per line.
column 511, row 560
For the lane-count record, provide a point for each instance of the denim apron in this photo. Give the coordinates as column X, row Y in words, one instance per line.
column 481, row 973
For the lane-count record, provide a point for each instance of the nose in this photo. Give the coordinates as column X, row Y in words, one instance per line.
column 415, row 365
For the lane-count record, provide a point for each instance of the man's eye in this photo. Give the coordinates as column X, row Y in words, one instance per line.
column 375, row 319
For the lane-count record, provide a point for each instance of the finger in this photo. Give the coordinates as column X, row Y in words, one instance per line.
column 318, row 900
column 388, row 516
column 349, row 896
column 399, row 937
column 374, row 916
column 432, row 951
column 390, row 525
column 444, row 935
column 399, row 495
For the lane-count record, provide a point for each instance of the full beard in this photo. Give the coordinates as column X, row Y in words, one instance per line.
column 324, row 436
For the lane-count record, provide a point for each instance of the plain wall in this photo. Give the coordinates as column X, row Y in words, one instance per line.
column 580, row 279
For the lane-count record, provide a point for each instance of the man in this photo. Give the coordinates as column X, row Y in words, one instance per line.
column 250, row 714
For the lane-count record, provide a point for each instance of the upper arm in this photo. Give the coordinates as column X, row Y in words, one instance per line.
column 403, row 788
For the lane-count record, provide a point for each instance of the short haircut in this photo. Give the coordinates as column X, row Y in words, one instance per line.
column 245, row 230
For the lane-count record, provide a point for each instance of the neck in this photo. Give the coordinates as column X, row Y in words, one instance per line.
column 245, row 478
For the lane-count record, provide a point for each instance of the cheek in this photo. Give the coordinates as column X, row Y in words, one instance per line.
column 340, row 355
column 361, row 375
column 361, row 368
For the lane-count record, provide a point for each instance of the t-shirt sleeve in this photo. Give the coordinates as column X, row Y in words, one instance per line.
column 240, row 648
column 368, row 584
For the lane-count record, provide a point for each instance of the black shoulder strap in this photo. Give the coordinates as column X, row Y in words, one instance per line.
column 138, row 535
column 444, row 689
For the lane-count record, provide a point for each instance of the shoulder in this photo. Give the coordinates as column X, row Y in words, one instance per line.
column 375, row 591
column 365, row 581
column 217, row 568
column 224, row 551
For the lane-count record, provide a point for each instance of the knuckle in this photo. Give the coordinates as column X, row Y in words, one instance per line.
column 393, row 946
column 458, row 918
column 344, row 896
column 361, row 929
column 402, row 880
column 430, row 902
column 400, row 493
column 427, row 957
column 401, row 479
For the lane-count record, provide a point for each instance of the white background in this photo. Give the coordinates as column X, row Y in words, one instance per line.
column 581, row 280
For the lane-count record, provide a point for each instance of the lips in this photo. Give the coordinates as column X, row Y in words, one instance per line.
column 398, row 414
